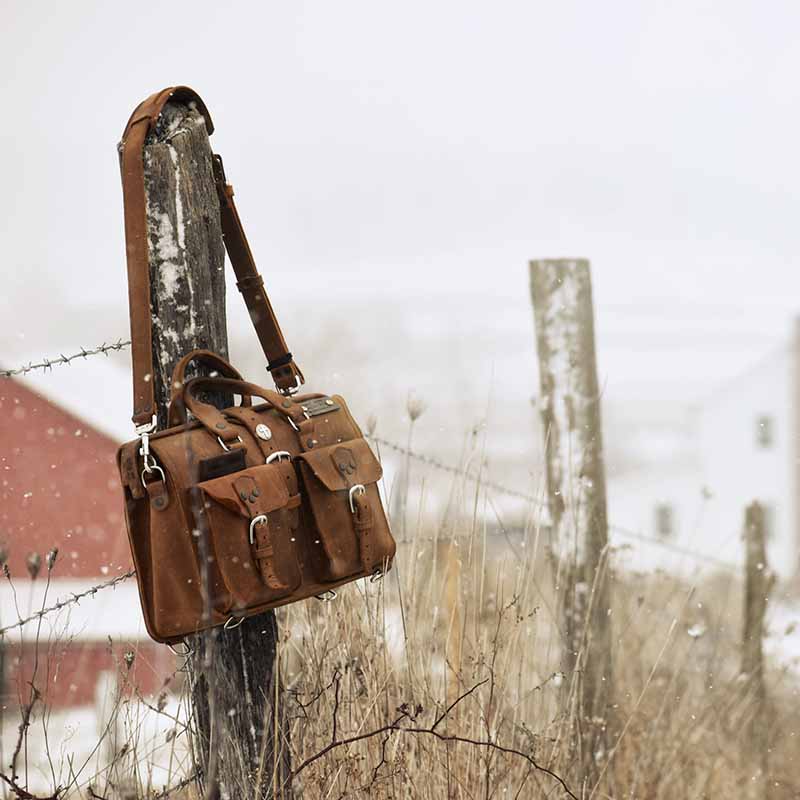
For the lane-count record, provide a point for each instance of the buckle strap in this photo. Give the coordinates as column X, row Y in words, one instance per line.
column 287, row 376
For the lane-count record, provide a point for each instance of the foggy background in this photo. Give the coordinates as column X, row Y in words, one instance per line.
column 399, row 166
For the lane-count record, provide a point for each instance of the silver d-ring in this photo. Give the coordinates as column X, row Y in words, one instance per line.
column 224, row 446
column 326, row 597
column 230, row 627
column 187, row 652
column 278, row 455
column 261, row 518
column 153, row 468
column 376, row 575
column 358, row 488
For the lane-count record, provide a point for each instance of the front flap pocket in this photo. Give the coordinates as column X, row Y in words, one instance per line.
column 340, row 483
column 341, row 466
column 252, row 517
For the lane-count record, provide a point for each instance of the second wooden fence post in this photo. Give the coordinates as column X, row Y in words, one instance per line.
column 758, row 585
column 561, row 292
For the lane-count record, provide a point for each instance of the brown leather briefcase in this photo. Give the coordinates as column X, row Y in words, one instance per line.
column 232, row 512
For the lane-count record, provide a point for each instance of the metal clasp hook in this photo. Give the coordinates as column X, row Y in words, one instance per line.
column 143, row 432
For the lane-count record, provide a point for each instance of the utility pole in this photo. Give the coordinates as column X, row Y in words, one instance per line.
column 239, row 732
column 561, row 292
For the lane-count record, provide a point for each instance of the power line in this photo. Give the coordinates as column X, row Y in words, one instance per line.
column 49, row 363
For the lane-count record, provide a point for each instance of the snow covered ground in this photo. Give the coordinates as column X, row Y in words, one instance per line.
column 81, row 742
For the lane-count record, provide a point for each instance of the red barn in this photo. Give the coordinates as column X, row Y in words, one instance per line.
column 59, row 488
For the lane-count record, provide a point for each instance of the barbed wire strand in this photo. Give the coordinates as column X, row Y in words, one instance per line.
column 75, row 598
column 48, row 363
column 504, row 490
column 437, row 464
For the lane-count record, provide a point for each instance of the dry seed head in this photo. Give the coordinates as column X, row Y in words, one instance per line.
column 415, row 406
column 52, row 555
column 34, row 563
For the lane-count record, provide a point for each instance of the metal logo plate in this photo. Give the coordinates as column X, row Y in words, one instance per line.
column 319, row 405
column 263, row 432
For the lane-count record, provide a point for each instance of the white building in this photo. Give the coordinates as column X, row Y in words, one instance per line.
column 742, row 443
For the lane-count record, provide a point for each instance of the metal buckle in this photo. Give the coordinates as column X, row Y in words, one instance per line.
column 150, row 470
column 326, row 597
column 224, row 446
column 261, row 518
column 359, row 487
column 377, row 575
column 278, row 455
column 288, row 392
column 229, row 627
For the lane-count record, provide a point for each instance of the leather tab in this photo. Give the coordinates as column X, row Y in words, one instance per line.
column 159, row 496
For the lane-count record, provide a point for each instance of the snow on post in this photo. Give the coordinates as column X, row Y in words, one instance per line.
column 233, row 684
column 569, row 404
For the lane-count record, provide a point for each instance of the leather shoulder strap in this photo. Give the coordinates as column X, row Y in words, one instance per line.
column 284, row 371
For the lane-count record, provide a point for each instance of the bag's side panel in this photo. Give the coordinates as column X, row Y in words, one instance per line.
column 179, row 603
column 166, row 570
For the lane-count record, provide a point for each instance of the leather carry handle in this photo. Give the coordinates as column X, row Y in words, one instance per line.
column 285, row 372
column 176, row 414
column 215, row 421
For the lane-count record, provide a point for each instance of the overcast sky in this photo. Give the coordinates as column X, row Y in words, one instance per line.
column 408, row 151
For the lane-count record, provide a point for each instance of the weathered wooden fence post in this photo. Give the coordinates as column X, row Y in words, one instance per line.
column 758, row 585
column 239, row 733
column 561, row 292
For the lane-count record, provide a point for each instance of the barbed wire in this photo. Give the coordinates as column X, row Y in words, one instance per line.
column 75, row 598
column 49, row 363
column 459, row 472
column 676, row 548
column 504, row 490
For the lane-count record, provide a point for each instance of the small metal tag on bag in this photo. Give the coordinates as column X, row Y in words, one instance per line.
column 263, row 432
column 318, row 406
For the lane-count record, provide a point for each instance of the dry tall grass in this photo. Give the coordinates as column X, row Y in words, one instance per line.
column 468, row 618
column 444, row 681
